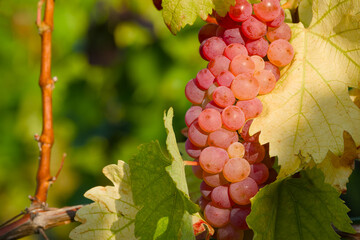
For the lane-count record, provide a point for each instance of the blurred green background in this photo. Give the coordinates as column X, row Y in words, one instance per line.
column 118, row 69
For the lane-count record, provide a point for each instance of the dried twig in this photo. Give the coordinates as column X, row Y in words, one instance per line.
column 35, row 222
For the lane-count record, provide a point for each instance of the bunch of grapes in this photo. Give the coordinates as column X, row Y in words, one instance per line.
column 245, row 50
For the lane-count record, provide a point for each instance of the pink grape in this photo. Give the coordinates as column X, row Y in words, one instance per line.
column 259, row 62
column 274, row 69
column 205, row 190
column 251, row 108
column 278, row 20
column 212, row 47
column 267, row 10
column 241, row 11
column 233, row 35
column 259, row 172
column 238, row 217
column 197, row 170
column 192, row 114
column 235, row 49
column 236, row 170
column 220, row 197
column 212, row 159
column 216, row 217
column 272, row 176
column 220, row 31
column 210, row 120
column 202, row 203
column 207, row 31
column 223, row 96
column 192, row 150
column 226, row 22
column 268, row 161
column 254, row 152
column 236, row 150
column 229, row 232
column 222, row 138
column 213, row 105
column 257, row 47
column 266, row 81
column 197, row 136
column 218, row 64
column 281, row 32
column 225, row 78
column 245, row 87
column 280, row 53
column 252, row 28
column 193, row 93
column 204, row 79
column 233, row 118
column 241, row 192
column 214, row 180
column 245, row 133
column 242, row 64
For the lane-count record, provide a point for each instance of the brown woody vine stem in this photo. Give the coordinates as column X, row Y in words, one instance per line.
column 46, row 82
column 39, row 217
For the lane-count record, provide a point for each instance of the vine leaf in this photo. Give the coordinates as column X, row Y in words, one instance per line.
column 159, row 186
column 298, row 208
column 178, row 13
column 306, row 114
column 223, row 6
column 112, row 215
column 202, row 229
column 338, row 169
column 149, row 199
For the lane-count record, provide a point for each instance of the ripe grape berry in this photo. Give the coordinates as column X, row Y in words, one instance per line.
column 245, row 53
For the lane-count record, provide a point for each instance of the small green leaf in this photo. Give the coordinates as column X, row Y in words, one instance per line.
column 159, row 186
column 298, row 209
column 254, row 1
column 223, row 6
column 178, row 13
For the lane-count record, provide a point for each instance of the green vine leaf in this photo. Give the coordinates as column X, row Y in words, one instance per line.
column 298, row 209
column 306, row 114
column 179, row 13
column 149, row 199
column 223, row 6
column 159, row 186
column 112, row 215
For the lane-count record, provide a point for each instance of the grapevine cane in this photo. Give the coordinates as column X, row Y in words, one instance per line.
column 39, row 217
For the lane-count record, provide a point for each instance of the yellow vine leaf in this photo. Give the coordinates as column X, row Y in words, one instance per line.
column 338, row 169
column 306, row 114
column 112, row 204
